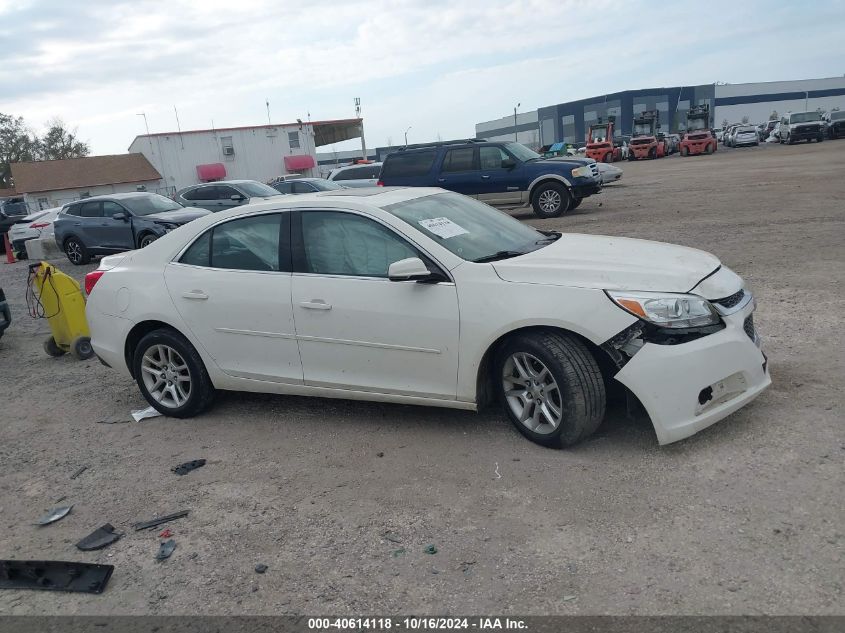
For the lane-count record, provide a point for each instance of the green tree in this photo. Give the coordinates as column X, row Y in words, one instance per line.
column 17, row 143
column 58, row 142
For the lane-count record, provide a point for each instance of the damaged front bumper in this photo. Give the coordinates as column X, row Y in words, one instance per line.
column 688, row 386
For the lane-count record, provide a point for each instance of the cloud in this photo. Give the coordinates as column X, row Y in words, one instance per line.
column 437, row 65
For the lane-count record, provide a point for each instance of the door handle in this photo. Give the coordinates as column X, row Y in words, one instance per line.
column 485, row 176
column 316, row 304
column 198, row 295
column 441, row 180
column 77, row 223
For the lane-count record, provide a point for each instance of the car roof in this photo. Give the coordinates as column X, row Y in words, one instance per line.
column 373, row 164
column 117, row 196
column 303, row 179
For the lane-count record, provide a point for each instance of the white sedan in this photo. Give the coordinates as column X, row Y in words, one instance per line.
column 609, row 173
column 420, row 296
column 33, row 226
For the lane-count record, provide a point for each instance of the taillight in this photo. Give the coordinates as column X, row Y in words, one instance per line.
column 380, row 184
column 91, row 280
column 39, row 225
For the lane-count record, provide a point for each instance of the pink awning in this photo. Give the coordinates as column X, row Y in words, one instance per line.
column 212, row 171
column 300, row 161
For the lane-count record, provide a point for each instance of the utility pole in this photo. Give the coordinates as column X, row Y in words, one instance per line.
column 514, row 122
column 361, row 127
column 267, row 103
column 806, row 99
column 179, row 127
column 406, row 136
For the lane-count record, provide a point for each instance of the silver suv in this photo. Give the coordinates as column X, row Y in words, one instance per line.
column 225, row 194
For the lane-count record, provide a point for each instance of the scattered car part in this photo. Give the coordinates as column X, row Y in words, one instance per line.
column 54, row 575
column 145, row 525
column 79, row 471
column 54, row 515
column 166, row 549
column 99, row 538
column 260, row 568
column 166, row 533
column 142, row 414
column 184, row 469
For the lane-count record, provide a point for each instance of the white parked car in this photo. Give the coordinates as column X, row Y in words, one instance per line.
column 362, row 175
column 421, row 296
column 33, row 226
column 609, row 173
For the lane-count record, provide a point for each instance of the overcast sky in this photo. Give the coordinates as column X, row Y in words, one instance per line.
column 439, row 67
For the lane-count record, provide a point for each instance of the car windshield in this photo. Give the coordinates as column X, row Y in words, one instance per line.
column 151, row 203
column 325, row 185
column 257, row 190
column 521, row 152
column 468, row 228
column 804, row 117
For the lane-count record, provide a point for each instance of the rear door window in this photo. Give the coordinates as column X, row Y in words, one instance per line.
column 91, row 210
column 408, row 164
column 461, row 159
column 202, row 193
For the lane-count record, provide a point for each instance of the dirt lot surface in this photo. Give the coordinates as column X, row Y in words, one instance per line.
column 339, row 499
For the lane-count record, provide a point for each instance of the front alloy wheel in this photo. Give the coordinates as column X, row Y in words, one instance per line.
column 551, row 200
column 532, row 393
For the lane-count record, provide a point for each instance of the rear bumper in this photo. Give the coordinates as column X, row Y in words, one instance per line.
column 672, row 380
column 108, row 334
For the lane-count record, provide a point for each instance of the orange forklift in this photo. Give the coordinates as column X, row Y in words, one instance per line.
column 600, row 146
column 646, row 142
column 699, row 138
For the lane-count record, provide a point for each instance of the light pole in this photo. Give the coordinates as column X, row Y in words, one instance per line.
column 406, row 135
column 514, row 121
column 806, row 98
column 149, row 139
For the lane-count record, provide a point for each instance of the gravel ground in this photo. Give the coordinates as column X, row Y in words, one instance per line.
column 339, row 499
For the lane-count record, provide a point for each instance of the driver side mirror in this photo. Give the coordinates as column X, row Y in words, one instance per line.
column 120, row 215
column 236, row 197
column 508, row 163
column 411, row 269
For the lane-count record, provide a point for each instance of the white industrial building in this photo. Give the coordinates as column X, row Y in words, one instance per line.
column 262, row 152
column 731, row 103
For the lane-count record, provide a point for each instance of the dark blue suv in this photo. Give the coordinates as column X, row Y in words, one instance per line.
column 496, row 173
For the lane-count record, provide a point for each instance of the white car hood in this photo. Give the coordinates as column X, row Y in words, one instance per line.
column 616, row 263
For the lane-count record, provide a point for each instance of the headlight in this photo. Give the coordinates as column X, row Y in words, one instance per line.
column 666, row 309
column 167, row 226
column 582, row 172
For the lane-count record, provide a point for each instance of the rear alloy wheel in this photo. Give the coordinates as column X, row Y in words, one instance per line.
column 550, row 387
column 76, row 252
column 146, row 240
column 171, row 374
column 551, row 200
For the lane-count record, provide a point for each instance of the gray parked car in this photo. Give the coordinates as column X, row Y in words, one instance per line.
column 365, row 175
column 305, row 185
column 119, row 222
column 225, row 194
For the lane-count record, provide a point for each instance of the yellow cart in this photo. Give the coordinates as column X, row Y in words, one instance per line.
column 55, row 296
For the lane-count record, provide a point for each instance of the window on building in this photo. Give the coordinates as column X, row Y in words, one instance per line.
column 43, row 203
column 227, row 146
column 293, row 140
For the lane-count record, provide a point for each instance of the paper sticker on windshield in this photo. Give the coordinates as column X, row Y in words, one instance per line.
column 443, row 227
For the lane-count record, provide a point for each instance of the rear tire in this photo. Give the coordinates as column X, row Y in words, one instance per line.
column 550, row 387
column 171, row 374
column 551, row 200
column 684, row 151
column 608, row 158
column 52, row 348
column 76, row 252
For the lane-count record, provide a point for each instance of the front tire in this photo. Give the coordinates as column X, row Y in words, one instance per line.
column 171, row 374
column 76, row 252
column 550, row 387
column 146, row 240
column 551, row 200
